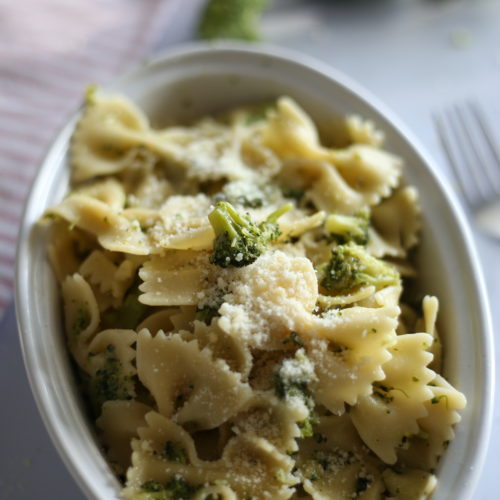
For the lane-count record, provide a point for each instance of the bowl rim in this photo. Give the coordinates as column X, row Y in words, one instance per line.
column 303, row 62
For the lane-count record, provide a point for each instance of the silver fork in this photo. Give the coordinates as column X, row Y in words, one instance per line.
column 474, row 159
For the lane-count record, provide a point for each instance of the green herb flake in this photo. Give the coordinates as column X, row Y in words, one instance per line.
column 175, row 452
column 206, row 314
column 81, row 321
column 174, row 489
column 437, row 399
column 109, row 382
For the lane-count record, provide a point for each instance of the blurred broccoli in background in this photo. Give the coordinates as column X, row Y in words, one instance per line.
column 231, row 19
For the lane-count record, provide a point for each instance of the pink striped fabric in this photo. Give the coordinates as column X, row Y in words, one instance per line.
column 50, row 50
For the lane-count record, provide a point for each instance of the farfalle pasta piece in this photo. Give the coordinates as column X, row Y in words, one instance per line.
column 291, row 133
column 343, row 180
column 396, row 222
column 223, row 346
column 81, row 315
column 100, row 270
column 412, row 484
column 273, row 419
column 442, row 414
column 334, row 463
column 387, row 418
column 349, row 298
column 184, row 224
column 348, row 348
column 293, row 225
column 160, row 320
column 109, row 191
column 250, row 466
column 183, row 318
column 119, row 422
column 147, row 190
column 219, row 491
column 118, row 342
column 323, row 185
column 113, row 230
column 363, row 131
column 110, row 366
column 370, row 171
column 66, row 249
column 174, row 279
column 387, row 296
column 436, row 428
column 187, row 383
column 105, row 136
column 211, row 150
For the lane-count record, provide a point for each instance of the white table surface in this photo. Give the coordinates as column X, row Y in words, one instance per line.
column 416, row 55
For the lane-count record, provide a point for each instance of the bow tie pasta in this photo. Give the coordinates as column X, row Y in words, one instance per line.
column 232, row 293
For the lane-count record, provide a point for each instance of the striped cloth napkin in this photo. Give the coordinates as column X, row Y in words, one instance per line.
column 50, row 50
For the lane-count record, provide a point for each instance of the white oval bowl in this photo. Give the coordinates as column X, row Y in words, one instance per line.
column 200, row 79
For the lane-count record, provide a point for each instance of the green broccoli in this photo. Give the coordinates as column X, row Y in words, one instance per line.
column 81, row 321
column 352, row 266
column 175, row 452
column 109, row 382
column 291, row 380
column 206, row 314
column 174, row 489
column 239, row 241
column 345, row 228
column 130, row 313
column 231, row 19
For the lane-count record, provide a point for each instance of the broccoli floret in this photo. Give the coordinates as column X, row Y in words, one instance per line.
column 109, row 382
column 345, row 228
column 81, row 321
column 239, row 241
column 352, row 266
column 174, row 489
column 206, row 314
column 291, row 380
column 231, row 19
column 130, row 313
column 175, row 452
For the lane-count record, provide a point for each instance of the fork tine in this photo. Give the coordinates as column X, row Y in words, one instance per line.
column 479, row 163
column 492, row 169
column 448, row 146
column 466, row 143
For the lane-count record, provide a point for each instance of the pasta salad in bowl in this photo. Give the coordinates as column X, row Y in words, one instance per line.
column 249, row 303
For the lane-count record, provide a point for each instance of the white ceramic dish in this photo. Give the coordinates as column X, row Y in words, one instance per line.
column 201, row 79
